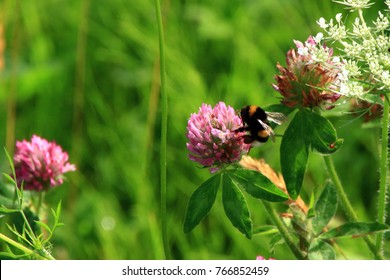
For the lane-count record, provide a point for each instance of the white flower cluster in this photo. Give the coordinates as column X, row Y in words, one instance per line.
column 356, row 4
column 336, row 31
column 315, row 52
column 365, row 57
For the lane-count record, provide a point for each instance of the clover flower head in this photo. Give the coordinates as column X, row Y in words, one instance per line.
column 212, row 137
column 40, row 164
column 311, row 76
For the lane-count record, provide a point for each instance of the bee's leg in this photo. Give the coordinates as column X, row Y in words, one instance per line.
column 248, row 139
column 242, row 129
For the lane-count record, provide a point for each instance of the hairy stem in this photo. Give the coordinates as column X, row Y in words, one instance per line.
column 283, row 230
column 346, row 204
column 383, row 175
column 41, row 198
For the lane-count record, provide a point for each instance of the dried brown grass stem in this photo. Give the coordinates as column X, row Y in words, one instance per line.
column 261, row 166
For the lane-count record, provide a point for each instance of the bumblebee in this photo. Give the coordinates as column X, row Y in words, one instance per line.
column 257, row 122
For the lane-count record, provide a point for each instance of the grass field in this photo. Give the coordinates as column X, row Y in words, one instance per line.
column 85, row 73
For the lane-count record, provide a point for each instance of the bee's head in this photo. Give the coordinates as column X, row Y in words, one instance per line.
column 245, row 113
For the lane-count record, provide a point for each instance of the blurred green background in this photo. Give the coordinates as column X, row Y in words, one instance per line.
column 85, row 73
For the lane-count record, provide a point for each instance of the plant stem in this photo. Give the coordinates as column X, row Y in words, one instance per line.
column 283, row 230
column 38, row 206
column 383, row 175
column 346, row 204
column 164, row 128
column 25, row 249
column 26, row 223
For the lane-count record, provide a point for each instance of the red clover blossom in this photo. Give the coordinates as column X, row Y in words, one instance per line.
column 311, row 76
column 212, row 137
column 40, row 164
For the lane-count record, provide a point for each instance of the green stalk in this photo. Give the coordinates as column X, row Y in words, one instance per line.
column 164, row 128
column 346, row 204
column 26, row 250
column 38, row 206
column 283, row 230
column 383, row 175
column 29, row 229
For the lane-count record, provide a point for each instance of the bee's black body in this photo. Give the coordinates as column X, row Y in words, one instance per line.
column 256, row 123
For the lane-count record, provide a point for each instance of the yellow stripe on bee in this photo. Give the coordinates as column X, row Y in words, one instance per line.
column 252, row 110
column 263, row 133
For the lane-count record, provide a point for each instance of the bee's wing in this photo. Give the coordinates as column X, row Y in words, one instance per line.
column 276, row 117
column 269, row 130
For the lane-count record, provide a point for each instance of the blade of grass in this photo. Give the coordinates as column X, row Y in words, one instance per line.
column 11, row 99
column 164, row 129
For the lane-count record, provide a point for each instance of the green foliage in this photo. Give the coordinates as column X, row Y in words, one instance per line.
column 201, row 202
column 235, row 205
column 56, row 224
column 354, row 229
column 313, row 230
column 294, row 153
column 320, row 250
column 264, row 230
column 24, row 222
column 306, row 130
column 257, row 185
column 216, row 50
column 325, row 208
